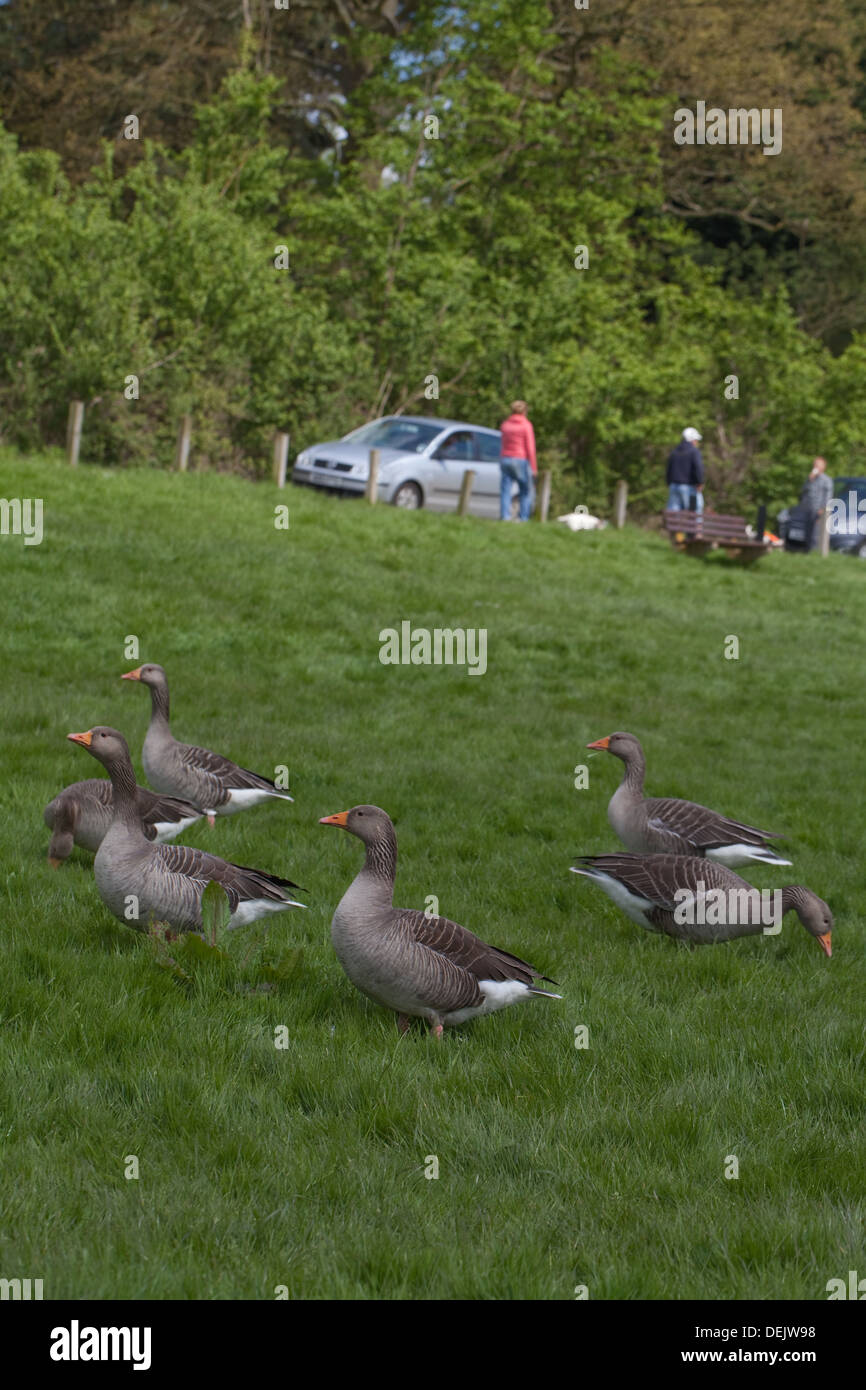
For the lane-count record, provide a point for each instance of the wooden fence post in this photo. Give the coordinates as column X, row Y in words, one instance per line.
column 74, row 426
column 371, row 491
column 544, row 494
column 465, row 491
column 823, row 533
column 281, row 457
column 184, row 435
column 620, row 502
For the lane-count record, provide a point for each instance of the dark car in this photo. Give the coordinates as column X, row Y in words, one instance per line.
column 846, row 516
column 846, row 520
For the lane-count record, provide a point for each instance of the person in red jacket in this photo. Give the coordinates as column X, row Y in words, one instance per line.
column 516, row 461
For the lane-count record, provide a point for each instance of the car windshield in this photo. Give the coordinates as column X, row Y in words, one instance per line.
column 412, row 436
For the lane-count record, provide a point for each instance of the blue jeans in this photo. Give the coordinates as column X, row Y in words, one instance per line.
column 682, row 497
column 679, row 497
column 513, row 470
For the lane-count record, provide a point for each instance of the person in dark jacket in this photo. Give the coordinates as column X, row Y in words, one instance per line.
column 685, row 474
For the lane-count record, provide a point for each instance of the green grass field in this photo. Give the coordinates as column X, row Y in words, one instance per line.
column 304, row 1166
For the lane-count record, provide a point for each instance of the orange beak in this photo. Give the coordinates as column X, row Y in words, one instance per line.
column 600, row 743
column 132, row 675
column 825, row 944
column 339, row 819
column 83, row 739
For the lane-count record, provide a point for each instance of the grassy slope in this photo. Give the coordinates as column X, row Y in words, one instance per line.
column 305, row 1166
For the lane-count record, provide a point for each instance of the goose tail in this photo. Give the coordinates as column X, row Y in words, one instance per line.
column 734, row 855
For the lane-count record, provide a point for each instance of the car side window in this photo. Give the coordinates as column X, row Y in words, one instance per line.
column 487, row 447
column 460, row 446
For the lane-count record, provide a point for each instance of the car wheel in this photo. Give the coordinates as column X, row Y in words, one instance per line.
column 408, row 495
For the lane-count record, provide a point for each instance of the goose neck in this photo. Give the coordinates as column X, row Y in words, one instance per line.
column 634, row 772
column 123, row 791
column 159, row 705
column 380, row 865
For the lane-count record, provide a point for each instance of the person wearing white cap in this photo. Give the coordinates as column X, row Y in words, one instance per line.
column 685, row 474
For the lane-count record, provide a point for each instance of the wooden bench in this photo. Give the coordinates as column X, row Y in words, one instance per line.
column 699, row 532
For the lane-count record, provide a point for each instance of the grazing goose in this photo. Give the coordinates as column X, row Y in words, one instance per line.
column 82, row 813
column 208, row 779
column 420, row 966
column 666, row 825
column 164, row 883
column 699, row 901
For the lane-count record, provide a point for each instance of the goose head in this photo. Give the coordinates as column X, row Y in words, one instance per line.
column 149, row 674
column 369, row 823
column 815, row 915
column 104, row 744
column 621, row 745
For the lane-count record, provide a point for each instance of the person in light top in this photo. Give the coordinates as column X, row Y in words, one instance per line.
column 517, row 461
column 815, row 497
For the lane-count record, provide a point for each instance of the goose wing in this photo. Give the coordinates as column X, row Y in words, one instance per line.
column 240, row 882
column 225, row 773
column 163, row 810
column 699, row 826
column 657, row 878
column 467, row 951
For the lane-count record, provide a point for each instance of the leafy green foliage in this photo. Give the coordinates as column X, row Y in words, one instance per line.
column 436, row 236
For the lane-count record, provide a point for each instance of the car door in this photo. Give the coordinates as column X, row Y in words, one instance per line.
column 454, row 455
column 485, row 489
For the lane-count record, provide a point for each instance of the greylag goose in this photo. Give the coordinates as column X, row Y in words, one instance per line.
column 164, row 883
column 420, row 966
column 696, row 900
column 208, row 779
column 82, row 813
column 666, row 825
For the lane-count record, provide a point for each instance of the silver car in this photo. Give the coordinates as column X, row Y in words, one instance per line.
column 421, row 463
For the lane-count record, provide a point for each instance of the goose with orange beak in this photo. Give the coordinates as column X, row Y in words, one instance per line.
column 212, row 782
column 144, row 883
column 698, row 901
column 666, row 825
column 419, row 966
